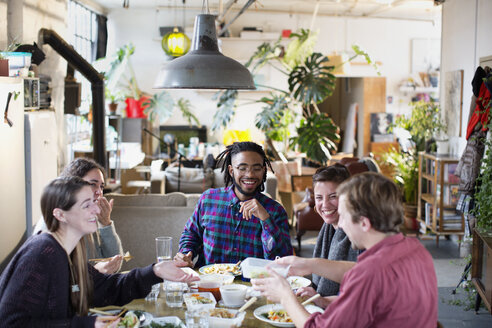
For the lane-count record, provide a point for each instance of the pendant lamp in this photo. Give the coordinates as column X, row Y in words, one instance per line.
column 175, row 43
column 204, row 67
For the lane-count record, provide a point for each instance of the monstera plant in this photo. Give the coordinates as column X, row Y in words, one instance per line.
column 310, row 81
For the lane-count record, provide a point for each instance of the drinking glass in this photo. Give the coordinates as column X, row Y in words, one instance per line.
column 164, row 248
column 174, row 293
column 196, row 318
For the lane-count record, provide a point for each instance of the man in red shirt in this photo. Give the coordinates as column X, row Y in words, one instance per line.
column 392, row 284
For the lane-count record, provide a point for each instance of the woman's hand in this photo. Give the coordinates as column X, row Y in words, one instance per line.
column 275, row 287
column 104, row 217
column 110, row 266
column 186, row 258
column 103, row 321
column 170, row 270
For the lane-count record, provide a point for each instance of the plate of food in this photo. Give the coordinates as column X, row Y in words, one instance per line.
column 221, row 268
column 166, row 322
column 131, row 319
column 298, row 282
column 275, row 314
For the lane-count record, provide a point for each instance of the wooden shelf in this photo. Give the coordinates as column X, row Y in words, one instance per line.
column 431, row 179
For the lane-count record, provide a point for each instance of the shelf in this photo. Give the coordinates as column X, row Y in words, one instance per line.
column 419, row 89
column 429, row 198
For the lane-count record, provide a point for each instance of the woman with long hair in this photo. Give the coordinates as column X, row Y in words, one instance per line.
column 104, row 242
column 49, row 282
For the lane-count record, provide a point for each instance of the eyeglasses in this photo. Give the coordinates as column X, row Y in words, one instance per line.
column 255, row 169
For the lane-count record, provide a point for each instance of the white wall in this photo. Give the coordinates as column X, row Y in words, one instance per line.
column 466, row 27
column 49, row 14
column 387, row 41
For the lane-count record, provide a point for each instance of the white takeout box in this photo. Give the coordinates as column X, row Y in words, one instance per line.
column 215, row 322
column 192, row 304
column 256, row 268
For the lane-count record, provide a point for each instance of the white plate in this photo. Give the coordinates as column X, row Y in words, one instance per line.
column 298, row 282
column 163, row 320
column 202, row 269
column 258, row 313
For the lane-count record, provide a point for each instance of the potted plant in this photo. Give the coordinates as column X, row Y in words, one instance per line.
column 161, row 106
column 310, row 81
column 422, row 124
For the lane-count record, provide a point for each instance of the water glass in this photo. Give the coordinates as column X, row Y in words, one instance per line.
column 164, row 248
column 196, row 318
column 174, row 293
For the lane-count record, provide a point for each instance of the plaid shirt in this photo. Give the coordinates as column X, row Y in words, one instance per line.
column 218, row 233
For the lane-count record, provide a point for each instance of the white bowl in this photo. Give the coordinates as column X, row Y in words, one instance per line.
column 233, row 295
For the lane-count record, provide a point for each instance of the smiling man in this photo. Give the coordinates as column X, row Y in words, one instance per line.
column 238, row 221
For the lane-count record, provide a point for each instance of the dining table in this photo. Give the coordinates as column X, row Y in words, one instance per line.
column 157, row 308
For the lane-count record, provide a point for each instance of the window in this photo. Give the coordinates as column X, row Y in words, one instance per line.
column 83, row 36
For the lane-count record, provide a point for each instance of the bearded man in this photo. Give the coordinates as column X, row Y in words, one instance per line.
column 238, row 221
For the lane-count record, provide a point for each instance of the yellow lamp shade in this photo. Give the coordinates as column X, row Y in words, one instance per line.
column 231, row 136
column 175, row 43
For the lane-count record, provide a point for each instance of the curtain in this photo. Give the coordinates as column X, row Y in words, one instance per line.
column 102, row 36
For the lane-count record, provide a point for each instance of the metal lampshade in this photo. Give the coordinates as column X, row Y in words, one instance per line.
column 175, row 43
column 204, row 67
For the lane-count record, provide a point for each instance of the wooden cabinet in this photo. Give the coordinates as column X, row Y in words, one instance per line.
column 437, row 196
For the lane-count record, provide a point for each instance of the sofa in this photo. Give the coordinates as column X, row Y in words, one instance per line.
column 140, row 218
column 197, row 180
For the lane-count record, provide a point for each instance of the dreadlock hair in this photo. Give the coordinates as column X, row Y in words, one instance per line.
column 224, row 159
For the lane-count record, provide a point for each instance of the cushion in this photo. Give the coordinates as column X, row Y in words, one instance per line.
column 191, row 181
column 171, row 199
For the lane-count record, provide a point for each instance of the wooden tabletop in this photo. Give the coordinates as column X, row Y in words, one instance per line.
column 158, row 308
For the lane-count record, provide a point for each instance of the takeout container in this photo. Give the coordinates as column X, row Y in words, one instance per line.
column 222, row 279
column 256, row 268
column 193, row 304
column 216, row 322
column 233, row 295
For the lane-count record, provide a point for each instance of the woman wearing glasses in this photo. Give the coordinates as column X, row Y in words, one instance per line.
column 238, row 221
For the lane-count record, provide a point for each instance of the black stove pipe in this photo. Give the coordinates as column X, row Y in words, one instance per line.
column 97, row 85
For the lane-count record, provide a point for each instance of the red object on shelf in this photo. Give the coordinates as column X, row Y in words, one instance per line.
column 286, row 33
column 135, row 108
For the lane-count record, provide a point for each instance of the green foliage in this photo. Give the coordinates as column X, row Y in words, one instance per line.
column 423, row 123
column 406, row 168
column 300, row 48
column 312, row 81
column 185, row 106
column 317, row 136
column 159, row 105
column 226, row 108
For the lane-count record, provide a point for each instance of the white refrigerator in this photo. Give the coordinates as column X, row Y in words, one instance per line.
column 41, row 160
column 12, row 169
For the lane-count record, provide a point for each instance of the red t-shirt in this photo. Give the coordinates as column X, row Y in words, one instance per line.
column 393, row 284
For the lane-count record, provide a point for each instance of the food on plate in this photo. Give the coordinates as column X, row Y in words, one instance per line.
column 222, row 269
column 277, row 316
column 130, row 320
column 221, row 313
column 199, row 299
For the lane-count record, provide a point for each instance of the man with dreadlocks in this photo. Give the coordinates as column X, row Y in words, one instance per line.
column 237, row 221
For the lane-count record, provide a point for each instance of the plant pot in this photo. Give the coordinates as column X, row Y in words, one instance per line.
column 410, row 216
column 4, row 67
column 442, row 147
column 112, row 108
column 135, row 108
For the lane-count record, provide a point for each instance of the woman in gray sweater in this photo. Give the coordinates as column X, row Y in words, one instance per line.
column 332, row 242
column 105, row 242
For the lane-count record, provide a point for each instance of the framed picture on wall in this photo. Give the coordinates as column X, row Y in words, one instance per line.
column 453, row 102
